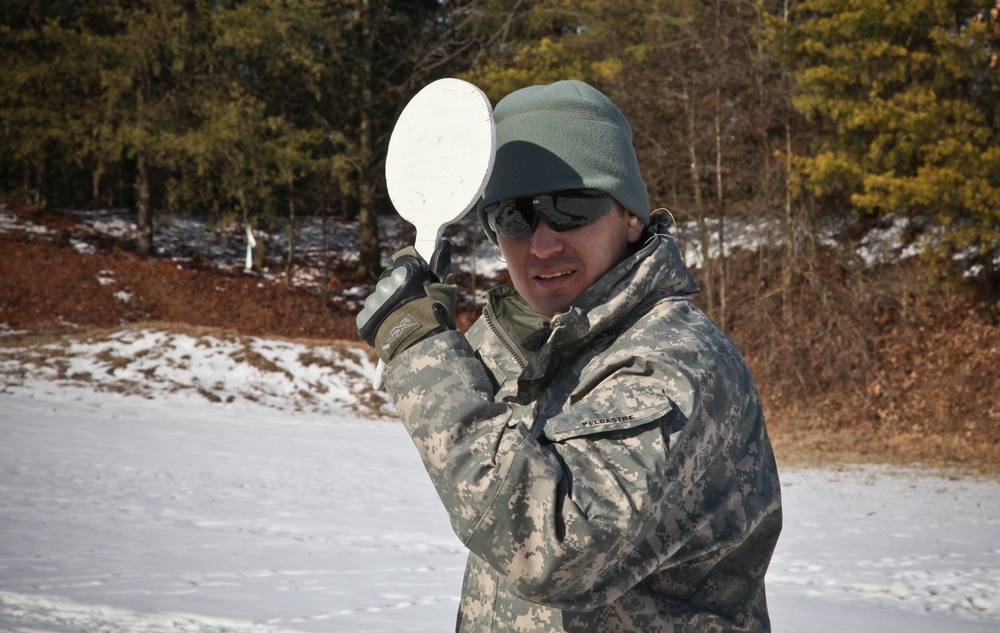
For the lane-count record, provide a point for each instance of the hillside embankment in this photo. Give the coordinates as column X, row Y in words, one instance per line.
column 854, row 364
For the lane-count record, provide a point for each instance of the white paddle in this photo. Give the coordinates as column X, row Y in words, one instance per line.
column 440, row 157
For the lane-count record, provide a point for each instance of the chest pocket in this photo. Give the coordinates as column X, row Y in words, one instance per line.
column 616, row 405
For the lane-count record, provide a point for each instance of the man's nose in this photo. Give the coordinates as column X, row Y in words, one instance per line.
column 544, row 241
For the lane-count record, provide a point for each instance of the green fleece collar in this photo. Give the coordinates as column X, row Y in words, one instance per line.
column 517, row 318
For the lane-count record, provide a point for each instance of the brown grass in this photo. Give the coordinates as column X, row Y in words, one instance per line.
column 876, row 366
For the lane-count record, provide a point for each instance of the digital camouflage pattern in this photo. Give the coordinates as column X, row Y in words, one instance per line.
column 619, row 478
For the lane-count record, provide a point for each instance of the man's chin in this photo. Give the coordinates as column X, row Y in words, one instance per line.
column 549, row 306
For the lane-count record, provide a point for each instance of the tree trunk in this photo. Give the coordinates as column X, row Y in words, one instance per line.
column 788, row 275
column 370, row 257
column 720, row 208
column 144, row 208
column 703, row 235
column 291, row 234
column 41, row 181
column 95, row 181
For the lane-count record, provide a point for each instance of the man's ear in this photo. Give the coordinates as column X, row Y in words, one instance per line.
column 635, row 228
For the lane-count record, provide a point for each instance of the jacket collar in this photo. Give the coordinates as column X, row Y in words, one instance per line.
column 655, row 271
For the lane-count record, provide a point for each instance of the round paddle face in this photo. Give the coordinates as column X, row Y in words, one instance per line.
column 440, row 157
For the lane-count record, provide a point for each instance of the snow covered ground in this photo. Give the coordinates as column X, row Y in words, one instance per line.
column 158, row 482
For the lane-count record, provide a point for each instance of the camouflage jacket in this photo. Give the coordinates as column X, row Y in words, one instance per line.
column 618, row 478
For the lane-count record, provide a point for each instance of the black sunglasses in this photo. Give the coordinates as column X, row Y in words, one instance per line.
column 562, row 211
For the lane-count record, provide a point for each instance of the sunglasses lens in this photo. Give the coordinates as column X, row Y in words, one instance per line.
column 569, row 210
column 511, row 217
column 562, row 211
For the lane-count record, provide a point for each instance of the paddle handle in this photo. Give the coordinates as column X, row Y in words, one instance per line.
column 425, row 247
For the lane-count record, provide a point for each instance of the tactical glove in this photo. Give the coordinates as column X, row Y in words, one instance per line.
column 411, row 302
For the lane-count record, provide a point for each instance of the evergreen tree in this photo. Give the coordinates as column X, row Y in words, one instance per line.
column 265, row 125
column 325, row 82
column 542, row 41
column 907, row 93
column 43, row 80
column 147, row 57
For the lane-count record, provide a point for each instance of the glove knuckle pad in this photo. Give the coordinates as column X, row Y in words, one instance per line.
column 397, row 286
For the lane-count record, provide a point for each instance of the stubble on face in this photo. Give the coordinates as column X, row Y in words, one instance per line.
column 550, row 270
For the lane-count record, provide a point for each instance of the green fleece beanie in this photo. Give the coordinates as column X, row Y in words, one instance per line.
column 565, row 135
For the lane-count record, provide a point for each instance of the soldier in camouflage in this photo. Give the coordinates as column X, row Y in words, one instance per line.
column 597, row 441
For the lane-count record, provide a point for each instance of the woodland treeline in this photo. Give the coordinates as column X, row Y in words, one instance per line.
column 263, row 110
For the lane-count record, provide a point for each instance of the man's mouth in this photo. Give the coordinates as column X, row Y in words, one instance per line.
column 555, row 275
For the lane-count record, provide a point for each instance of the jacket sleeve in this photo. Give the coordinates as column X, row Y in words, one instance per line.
column 577, row 511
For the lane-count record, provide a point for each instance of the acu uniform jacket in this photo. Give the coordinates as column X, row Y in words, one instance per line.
column 609, row 470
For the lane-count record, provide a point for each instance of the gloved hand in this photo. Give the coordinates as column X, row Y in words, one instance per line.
column 411, row 301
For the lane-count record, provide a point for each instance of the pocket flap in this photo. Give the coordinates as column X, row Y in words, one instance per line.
column 625, row 404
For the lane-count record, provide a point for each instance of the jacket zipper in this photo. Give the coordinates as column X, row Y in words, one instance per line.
column 504, row 339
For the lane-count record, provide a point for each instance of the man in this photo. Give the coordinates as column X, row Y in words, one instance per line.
column 597, row 441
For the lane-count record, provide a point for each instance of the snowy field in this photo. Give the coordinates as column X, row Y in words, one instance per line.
column 212, row 499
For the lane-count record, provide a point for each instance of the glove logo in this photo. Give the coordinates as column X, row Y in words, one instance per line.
column 404, row 327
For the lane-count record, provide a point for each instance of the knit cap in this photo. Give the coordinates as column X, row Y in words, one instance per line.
column 565, row 135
